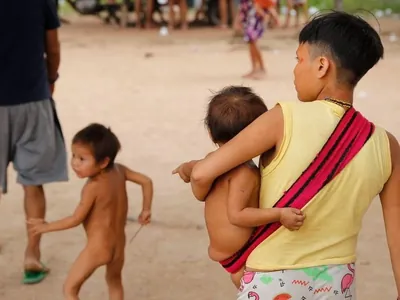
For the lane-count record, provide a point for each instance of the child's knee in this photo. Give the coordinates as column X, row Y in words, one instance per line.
column 70, row 290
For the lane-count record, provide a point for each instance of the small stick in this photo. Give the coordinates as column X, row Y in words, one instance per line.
column 136, row 233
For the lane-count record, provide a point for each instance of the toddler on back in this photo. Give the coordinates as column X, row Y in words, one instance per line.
column 232, row 207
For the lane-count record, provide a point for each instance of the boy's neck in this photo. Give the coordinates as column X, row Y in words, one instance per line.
column 337, row 92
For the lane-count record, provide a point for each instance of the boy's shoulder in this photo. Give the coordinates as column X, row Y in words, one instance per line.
column 90, row 187
column 248, row 169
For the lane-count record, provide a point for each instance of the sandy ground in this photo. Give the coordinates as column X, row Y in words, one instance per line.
column 156, row 105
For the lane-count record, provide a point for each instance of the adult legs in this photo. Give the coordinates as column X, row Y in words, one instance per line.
column 35, row 207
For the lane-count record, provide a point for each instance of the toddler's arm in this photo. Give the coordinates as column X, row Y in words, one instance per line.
column 185, row 170
column 241, row 187
column 390, row 199
column 147, row 188
column 88, row 197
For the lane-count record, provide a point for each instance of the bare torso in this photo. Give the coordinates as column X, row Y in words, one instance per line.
column 105, row 224
column 225, row 238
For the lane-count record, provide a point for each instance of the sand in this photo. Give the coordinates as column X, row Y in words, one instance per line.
column 153, row 91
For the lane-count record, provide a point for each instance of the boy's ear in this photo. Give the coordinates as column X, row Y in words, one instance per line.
column 104, row 163
column 323, row 65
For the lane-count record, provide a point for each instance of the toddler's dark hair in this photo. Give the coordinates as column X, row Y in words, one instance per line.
column 231, row 110
column 350, row 41
column 102, row 141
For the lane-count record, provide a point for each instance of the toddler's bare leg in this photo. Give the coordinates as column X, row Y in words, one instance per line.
column 114, row 278
column 237, row 277
column 84, row 266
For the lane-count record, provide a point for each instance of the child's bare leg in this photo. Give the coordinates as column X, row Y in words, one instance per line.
column 260, row 70
column 183, row 13
column 297, row 9
column 149, row 13
column 223, row 10
column 253, row 58
column 114, row 279
column 138, row 8
column 237, row 277
column 84, row 266
column 171, row 19
column 289, row 7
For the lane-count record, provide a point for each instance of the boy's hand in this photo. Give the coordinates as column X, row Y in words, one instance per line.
column 292, row 218
column 37, row 226
column 145, row 217
column 184, row 171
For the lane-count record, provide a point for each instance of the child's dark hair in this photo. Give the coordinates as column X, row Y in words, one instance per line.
column 350, row 41
column 102, row 141
column 231, row 110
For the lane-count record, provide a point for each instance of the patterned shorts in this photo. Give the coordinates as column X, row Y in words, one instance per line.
column 333, row 282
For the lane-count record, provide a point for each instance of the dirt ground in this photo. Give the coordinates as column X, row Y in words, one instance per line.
column 153, row 91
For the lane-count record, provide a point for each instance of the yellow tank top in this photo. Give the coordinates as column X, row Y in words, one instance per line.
column 334, row 215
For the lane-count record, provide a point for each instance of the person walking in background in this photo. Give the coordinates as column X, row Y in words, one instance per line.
column 298, row 6
column 30, row 135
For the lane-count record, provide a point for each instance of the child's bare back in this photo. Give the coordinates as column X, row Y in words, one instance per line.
column 105, row 224
column 226, row 237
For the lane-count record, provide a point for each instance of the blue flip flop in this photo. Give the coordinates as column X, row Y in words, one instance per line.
column 33, row 277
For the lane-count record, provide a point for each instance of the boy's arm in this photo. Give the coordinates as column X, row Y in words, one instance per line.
column 390, row 200
column 261, row 135
column 52, row 46
column 241, row 187
column 81, row 212
column 145, row 182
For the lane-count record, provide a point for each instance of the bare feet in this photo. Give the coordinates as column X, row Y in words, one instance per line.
column 255, row 74
column 258, row 75
column 184, row 26
column 249, row 75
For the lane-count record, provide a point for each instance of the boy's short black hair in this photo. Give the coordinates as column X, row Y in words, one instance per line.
column 231, row 110
column 350, row 41
column 102, row 141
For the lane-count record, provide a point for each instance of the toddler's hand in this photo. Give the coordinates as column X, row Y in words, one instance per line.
column 145, row 217
column 37, row 226
column 182, row 171
column 292, row 218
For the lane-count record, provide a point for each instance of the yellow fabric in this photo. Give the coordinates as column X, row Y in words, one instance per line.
column 334, row 215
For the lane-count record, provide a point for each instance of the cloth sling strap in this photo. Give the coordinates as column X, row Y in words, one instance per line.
column 348, row 138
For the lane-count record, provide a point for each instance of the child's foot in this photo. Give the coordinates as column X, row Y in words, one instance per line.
column 249, row 75
column 259, row 75
column 184, row 26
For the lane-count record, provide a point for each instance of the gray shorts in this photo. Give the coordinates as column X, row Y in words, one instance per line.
column 31, row 138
